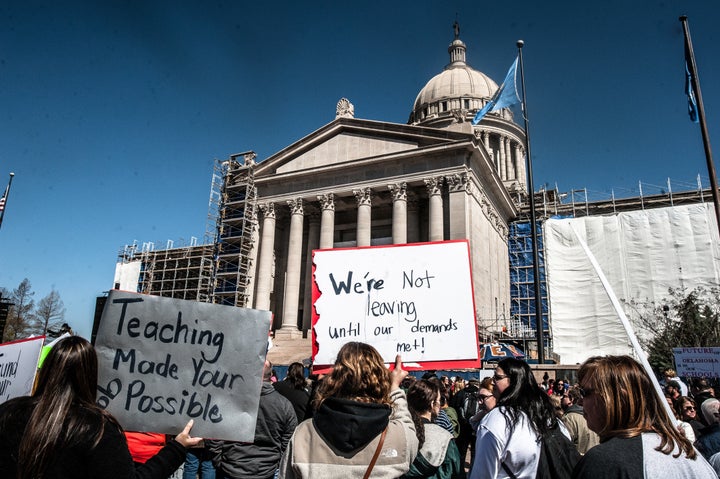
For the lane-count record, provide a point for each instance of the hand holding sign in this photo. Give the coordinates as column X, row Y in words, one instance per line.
column 184, row 437
column 397, row 374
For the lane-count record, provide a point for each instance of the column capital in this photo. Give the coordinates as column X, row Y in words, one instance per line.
column 363, row 196
column 268, row 209
column 459, row 182
column 434, row 185
column 398, row 191
column 327, row 201
column 296, row 206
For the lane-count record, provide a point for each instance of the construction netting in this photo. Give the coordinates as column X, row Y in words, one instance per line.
column 642, row 253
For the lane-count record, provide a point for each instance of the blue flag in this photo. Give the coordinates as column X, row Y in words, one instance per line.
column 689, row 90
column 504, row 97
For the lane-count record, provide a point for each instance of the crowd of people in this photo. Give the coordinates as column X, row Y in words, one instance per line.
column 364, row 420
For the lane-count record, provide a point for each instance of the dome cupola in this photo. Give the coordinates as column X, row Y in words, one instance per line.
column 456, row 93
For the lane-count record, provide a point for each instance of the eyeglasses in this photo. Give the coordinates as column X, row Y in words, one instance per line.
column 499, row 377
column 585, row 392
column 689, row 408
column 482, row 398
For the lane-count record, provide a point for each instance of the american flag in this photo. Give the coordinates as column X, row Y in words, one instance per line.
column 2, row 203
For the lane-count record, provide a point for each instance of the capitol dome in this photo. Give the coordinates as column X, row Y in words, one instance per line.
column 458, row 92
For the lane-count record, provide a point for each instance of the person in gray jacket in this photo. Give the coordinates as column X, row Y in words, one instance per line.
column 275, row 425
column 362, row 423
column 575, row 421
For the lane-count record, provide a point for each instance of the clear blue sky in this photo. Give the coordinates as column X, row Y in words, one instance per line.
column 112, row 112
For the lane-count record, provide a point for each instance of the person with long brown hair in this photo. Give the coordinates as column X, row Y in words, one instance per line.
column 637, row 437
column 361, row 422
column 59, row 432
column 438, row 457
column 295, row 389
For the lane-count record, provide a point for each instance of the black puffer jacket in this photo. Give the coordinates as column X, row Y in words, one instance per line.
column 275, row 425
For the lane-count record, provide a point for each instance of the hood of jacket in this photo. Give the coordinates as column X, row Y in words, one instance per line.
column 350, row 425
column 575, row 409
column 267, row 388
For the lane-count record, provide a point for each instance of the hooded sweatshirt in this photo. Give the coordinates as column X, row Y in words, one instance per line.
column 340, row 440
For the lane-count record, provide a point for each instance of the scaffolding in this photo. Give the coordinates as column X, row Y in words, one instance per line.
column 181, row 273
column 522, row 282
column 235, row 226
column 576, row 203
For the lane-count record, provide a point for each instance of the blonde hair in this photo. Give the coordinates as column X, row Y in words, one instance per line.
column 359, row 374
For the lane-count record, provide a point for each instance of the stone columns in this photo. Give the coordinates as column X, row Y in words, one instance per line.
column 294, row 265
column 435, row 223
column 313, row 243
column 520, row 165
column 364, row 199
column 502, row 170
column 413, row 219
column 399, row 218
column 252, row 213
column 267, row 253
column 509, row 165
column 460, row 218
column 327, row 220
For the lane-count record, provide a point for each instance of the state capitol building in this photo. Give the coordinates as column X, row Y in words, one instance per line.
column 356, row 182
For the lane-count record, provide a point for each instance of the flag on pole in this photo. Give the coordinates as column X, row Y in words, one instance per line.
column 504, row 97
column 3, row 200
column 689, row 89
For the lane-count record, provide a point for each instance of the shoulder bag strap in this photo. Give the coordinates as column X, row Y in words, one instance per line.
column 508, row 471
column 375, row 456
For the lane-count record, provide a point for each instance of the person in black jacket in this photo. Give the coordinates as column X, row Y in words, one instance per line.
column 462, row 402
column 276, row 422
column 59, row 432
column 295, row 389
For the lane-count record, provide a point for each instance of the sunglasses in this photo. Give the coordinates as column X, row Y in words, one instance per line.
column 499, row 377
column 482, row 398
column 689, row 408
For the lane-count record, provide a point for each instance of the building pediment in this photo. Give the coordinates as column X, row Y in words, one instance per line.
column 346, row 140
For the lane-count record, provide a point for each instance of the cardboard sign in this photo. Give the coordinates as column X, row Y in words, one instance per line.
column 18, row 366
column 164, row 361
column 414, row 300
column 697, row 362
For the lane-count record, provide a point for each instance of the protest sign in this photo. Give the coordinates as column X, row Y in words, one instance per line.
column 164, row 361
column 697, row 362
column 414, row 300
column 18, row 365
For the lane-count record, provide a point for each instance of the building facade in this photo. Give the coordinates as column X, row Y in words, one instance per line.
column 357, row 182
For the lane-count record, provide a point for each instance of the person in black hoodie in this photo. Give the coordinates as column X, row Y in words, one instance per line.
column 362, row 422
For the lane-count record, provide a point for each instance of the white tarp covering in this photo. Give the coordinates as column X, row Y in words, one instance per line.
column 642, row 254
column 127, row 275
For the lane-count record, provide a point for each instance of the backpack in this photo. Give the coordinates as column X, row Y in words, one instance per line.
column 469, row 406
column 558, row 456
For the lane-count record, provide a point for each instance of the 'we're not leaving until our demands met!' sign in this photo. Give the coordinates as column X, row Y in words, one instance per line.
column 414, row 300
column 164, row 361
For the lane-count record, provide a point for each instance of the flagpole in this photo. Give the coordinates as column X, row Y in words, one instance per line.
column 5, row 197
column 533, row 221
column 690, row 55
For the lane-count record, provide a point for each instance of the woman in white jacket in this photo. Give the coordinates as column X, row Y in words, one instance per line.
column 508, row 438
